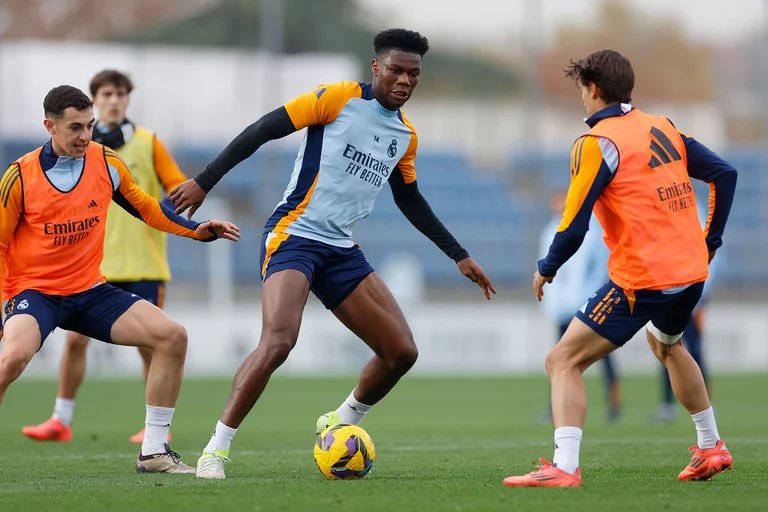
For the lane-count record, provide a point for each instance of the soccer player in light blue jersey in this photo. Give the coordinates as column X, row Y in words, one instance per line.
column 357, row 139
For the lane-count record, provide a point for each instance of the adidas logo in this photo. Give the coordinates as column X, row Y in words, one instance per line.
column 92, row 204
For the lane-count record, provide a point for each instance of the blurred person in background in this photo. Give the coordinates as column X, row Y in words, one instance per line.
column 357, row 140
column 53, row 213
column 634, row 170
column 135, row 255
column 692, row 339
column 584, row 273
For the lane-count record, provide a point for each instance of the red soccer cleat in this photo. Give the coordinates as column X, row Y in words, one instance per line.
column 547, row 475
column 707, row 463
column 138, row 437
column 51, row 430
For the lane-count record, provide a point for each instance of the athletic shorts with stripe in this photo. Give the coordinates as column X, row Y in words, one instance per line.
column 91, row 312
column 617, row 315
column 333, row 272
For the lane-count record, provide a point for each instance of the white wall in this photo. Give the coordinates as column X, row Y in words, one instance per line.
column 453, row 338
column 195, row 95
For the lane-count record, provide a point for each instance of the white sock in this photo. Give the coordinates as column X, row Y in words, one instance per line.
column 352, row 411
column 221, row 438
column 156, row 428
column 567, row 442
column 63, row 410
column 706, row 428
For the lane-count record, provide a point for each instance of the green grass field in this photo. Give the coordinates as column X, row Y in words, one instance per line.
column 442, row 444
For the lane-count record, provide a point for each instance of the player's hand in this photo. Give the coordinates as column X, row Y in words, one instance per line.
column 538, row 284
column 220, row 228
column 475, row 273
column 187, row 195
column 711, row 256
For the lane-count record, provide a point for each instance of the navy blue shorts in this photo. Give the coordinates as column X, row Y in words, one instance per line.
column 617, row 316
column 333, row 272
column 151, row 291
column 91, row 312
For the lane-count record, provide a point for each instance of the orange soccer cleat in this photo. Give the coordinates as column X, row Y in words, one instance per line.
column 138, row 437
column 707, row 463
column 547, row 475
column 50, row 430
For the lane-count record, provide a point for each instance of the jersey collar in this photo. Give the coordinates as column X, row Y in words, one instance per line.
column 615, row 110
column 384, row 111
column 367, row 94
column 49, row 159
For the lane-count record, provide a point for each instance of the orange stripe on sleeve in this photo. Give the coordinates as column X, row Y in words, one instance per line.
column 407, row 164
column 8, row 183
column 166, row 167
column 711, row 211
column 113, row 158
column 10, row 211
column 576, row 155
column 322, row 105
column 586, row 159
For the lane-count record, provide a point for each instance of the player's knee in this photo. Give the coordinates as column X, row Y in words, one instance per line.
column 280, row 332
column 276, row 343
column 549, row 363
column 660, row 350
column 12, row 363
column 77, row 343
column 407, row 359
column 277, row 350
column 556, row 360
column 278, row 354
column 403, row 359
column 174, row 340
column 179, row 339
column 661, row 344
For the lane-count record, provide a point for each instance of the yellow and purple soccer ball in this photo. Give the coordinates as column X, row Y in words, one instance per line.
column 344, row 452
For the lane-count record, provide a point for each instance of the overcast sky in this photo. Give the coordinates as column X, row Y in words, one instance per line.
column 489, row 21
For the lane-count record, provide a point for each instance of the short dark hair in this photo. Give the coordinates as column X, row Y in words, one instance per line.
column 110, row 77
column 400, row 39
column 607, row 69
column 62, row 97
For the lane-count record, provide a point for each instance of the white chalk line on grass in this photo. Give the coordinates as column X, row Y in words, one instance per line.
column 590, row 443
